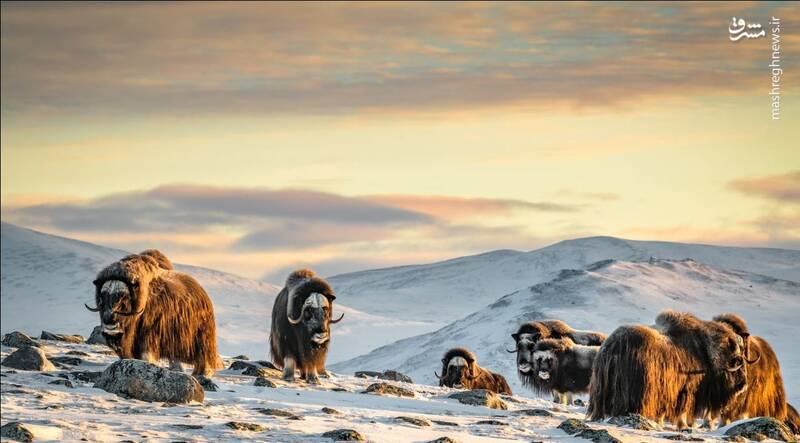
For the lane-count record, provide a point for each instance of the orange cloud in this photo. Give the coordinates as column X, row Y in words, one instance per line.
column 783, row 188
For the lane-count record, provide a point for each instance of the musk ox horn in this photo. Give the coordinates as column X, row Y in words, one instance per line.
column 511, row 352
column 338, row 319
column 289, row 306
column 755, row 360
column 734, row 368
column 91, row 309
column 438, row 376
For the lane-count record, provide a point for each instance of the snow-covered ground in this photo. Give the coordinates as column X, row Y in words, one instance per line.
column 602, row 297
column 59, row 413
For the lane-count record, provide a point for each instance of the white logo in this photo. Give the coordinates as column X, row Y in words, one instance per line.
column 739, row 27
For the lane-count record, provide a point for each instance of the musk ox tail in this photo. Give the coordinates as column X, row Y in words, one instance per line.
column 618, row 375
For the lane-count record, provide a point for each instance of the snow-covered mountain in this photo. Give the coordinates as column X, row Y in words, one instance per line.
column 46, row 279
column 603, row 296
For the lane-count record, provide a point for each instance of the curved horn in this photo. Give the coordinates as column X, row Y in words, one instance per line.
column 754, row 361
column 91, row 309
column 289, row 306
column 338, row 319
column 734, row 368
column 437, row 375
column 131, row 312
column 511, row 352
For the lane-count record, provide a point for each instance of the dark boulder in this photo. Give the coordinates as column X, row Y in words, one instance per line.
column 28, row 359
column 147, row 382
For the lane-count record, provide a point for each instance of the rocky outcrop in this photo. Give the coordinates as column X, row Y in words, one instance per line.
column 480, row 397
column 28, row 359
column 17, row 339
column 761, row 427
column 148, row 382
column 77, row 339
column 96, row 337
column 388, row 389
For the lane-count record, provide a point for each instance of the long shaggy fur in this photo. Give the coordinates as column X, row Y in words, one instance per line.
column 292, row 342
column 177, row 316
column 567, row 365
column 472, row 376
column 765, row 395
column 675, row 371
column 159, row 257
column 557, row 329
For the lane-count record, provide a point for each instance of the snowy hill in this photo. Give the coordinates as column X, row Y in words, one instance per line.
column 601, row 297
column 46, row 279
column 441, row 292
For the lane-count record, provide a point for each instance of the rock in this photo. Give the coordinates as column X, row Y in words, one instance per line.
column 480, row 397
column 77, row 339
column 681, row 437
column 331, row 411
column 634, row 421
column 206, row 383
column 388, row 389
column 766, row 426
column 578, row 428
column 279, row 413
column 63, row 382
column 344, row 435
column 263, row 381
column 444, row 439
column 241, row 357
column 16, row 431
column 491, row 422
column 262, row 372
column 385, row 375
column 96, row 337
column 86, row 376
column 17, row 339
column 736, row 438
column 28, row 358
column 244, row 426
column 239, row 365
column 71, row 361
column 416, row 421
column 534, row 412
column 339, row 389
column 81, row 353
column 148, row 382
column 444, row 423
column 578, row 402
column 184, row 426
column 367, row 374
column 267, row 364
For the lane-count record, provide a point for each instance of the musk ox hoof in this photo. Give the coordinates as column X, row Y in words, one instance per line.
column 344, row 435
column 480, row 397
column 77, row 339
column 17, row 339
column 28, row 359
column 312, row 379
column 148, row 382
column 767, row 426
column 16, row 431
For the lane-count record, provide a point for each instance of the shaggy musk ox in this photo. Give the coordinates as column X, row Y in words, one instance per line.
column 530, row 333
column 301, row 319
column 148, row 312
column 765, row 395
column 562, row 367
column 682, row 366
column 460, row 370
column 159, row 257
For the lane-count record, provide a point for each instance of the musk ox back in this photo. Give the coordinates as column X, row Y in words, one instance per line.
column 159, row 257
column 301, row 319
column 563, row 367
column 461, row 370
column 151, row 313
column 765, row 394
column 682, row 366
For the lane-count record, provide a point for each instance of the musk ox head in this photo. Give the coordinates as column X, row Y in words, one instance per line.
column 309, row 306
column 526, row 338
column 545, row 360
column 728, row 359
column 459, row 369
column 122, row 290
column 739, row 326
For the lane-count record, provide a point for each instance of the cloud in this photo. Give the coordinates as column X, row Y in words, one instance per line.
column 784, row 188
column 278, row 58
column 450, row 208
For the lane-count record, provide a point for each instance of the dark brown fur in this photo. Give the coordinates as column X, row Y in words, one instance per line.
column 159, row 257
column 671, row 372
column 472, row 376
column 765, row 395
column 176, row 319
column 568, row 365
column 792, row 419
column 293, row 342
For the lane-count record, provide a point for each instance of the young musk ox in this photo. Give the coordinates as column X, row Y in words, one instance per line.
column 563, row 367
column 460, row 370
column 765, row 395
column 149, row 313
column 530, row 333
column 301, row 319
column 671, row 371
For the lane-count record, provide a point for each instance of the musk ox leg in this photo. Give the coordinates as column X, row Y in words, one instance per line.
column 288, row 369
column 324, row 373
column 149, row 357
column 312, row 377
column 682, row 422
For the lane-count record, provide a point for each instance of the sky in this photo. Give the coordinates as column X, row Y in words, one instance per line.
column 260, row 137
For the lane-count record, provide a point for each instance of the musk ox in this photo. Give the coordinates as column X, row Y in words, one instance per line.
column 460, row 370
column 673, row 370
column 151, row 313
column 562, row 367
column 159, row 257
column 530, row 333
column 765, row 395
column 301, row 319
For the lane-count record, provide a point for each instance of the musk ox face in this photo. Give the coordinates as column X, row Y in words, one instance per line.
column 525, row 353
column 114, row 298
column 457, row 373
column 730, row 361
column 315, row 319
column 545, row 365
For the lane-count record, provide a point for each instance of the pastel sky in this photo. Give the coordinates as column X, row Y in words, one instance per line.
column 258, row 137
